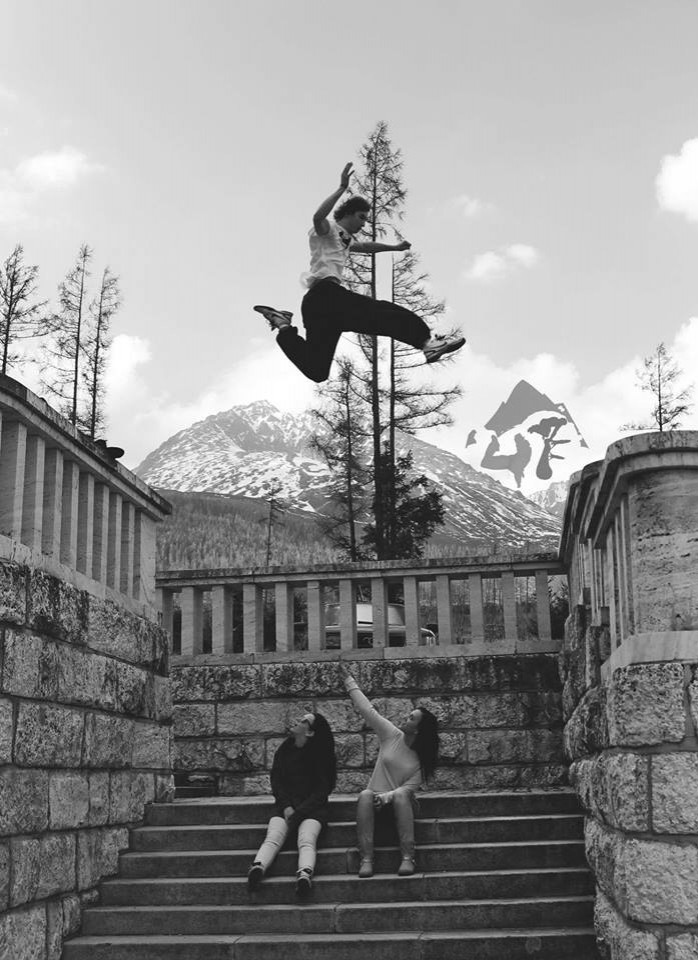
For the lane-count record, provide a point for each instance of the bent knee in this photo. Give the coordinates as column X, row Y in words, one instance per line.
column 402, row 795
column 366, row 796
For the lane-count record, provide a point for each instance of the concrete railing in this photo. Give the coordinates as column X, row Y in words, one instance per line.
column 629, row 546
column 68, row 508
column 486, row 605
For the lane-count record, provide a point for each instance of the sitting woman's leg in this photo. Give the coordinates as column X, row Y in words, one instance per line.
column 365, row 822
column 403, row 805
column 308, row 833
column 277, row 831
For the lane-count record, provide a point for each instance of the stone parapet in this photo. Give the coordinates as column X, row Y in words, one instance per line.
column 500, row 717
column 85, row 744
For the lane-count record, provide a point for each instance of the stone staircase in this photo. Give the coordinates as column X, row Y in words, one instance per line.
column 500, row 876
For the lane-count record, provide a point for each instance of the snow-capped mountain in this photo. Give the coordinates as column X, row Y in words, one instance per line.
column 552, row 498
column 253, row 449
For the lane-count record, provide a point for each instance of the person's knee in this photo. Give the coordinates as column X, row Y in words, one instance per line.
column 402, row 797
column 366, row 796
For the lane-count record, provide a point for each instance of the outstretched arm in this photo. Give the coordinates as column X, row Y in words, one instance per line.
column 323, row 211
column 369, row 246
column 384, row 728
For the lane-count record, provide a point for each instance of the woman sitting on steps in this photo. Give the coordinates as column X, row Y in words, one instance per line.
column 406, row 759
column 303, row 775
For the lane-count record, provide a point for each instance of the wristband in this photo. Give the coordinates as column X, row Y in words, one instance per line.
column 351, row 684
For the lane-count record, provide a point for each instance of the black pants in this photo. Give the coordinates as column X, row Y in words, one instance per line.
column 329, row 310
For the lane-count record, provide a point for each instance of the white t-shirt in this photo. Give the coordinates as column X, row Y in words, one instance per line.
column 328, row 254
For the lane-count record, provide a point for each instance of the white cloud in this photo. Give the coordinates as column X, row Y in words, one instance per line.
column 469, row 206
column 677, row 182
column 495, row 265
column 23, row 186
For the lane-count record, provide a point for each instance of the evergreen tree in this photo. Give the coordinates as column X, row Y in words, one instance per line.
column 659, row 376
column 95, row 349
column 21, row 317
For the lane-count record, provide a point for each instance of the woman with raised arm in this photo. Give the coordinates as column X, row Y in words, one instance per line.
column 406, row 759
column 303, row 775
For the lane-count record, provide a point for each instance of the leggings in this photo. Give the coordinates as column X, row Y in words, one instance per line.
column 329, row 310
column 277, row 831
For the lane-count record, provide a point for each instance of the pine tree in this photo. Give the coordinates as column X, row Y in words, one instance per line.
column 95, row 349
column 658, row 376
column 21, row 318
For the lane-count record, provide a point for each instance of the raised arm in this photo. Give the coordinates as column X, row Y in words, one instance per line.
column 382, row 727
column 323, row 211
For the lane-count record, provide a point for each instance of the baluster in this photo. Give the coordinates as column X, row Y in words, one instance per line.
column 100, row 533
column 85, row 546
column 511, row 627
column 13, row 455
column 347, row 615
column 69, row 521
column 32, row 513
column 252, row 618
column 127, row 548
column 444, row 608
column 413, row 634
column 283, row 603
column 543, row 608
column 53, row 503
column 143, row 557
column 477, row 612
column 316, row 616
column 379, row 602
column 114, row 541
column 192, row 621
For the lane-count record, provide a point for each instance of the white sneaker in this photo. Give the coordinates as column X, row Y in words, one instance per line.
column 277, row 319
column 439, row 345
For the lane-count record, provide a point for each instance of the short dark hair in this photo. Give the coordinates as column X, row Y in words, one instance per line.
column 352, row 205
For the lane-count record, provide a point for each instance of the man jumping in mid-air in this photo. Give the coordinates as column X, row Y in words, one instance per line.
column 329, row 309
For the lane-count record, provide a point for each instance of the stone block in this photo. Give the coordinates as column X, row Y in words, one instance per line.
column 675, row 793
column 586, row 731
column 69, row 799
column 259, row 717
column 271, row 745
column 195, row 719
column 215, row 682
column 683, row 946
column 23, row 934
column 241, row 786
column 136, row 691
column 151, row 746
column 116, row 632
column 87, row 678
column 56, row 608
column 23, row 801
column 453, row 748
column 98, row 813
column 661, row 882
column 108, row 741
column 645, row 704
column 72, row 914
column 25, row 855
column 305, row 678
column 693, row 698
column 245, row 755
column 128, row 795
column 98, row 854
column 618, row 939
column 350, row 750
column 163, row 697
column 341, row 715
column 4, row 875
column 605, row 852
column 627, row 789
column 395, row 709
column 13, row 593
column 351, row 781
column 31, row 666
column 48, row 736
column 57, row 859
column 514, row 746
column 54, row 930
column 7, row 729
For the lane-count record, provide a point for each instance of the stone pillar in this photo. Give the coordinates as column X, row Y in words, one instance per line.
column 53, row 503
column 477, row 613
column 13, row 452
column 543, row 606
column 69, row 519
column 143, row 557
column 283, row 602
column 444, row 609
column 413, row 633
column 100, row 531
column 32, row 514
column 347, row 614
column 511, row 630
column 379, row 602
column 86, row 504
column 316, row 616
column 114, row 541
column 221, row 620
column 127, row 548
column 252, row 618
column 191, row 602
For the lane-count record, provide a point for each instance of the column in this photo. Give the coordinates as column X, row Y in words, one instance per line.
column 283, row 604
column 69, row 519
column 100, row 532
column 316, row 616
column 13, row 453
column 444, row 609
column 166, row 605
column 114, row 541
column 53, row 503
column 511, row 627
column 191, row 602
column 143, row 557
column 252, row 618
column 543, row 607
column 413, row 633
column 379, row 602
column 32, row 511
column 347, row 615
column 477, row 613
column 86, row 518
column 127, row 548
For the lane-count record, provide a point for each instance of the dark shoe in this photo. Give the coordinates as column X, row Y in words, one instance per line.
column 304, row 883
column 277, row 319
column 255, row 876
column 438, row 346
column 366, row 868
column 407, row 867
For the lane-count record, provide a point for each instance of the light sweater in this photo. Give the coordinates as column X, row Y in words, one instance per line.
column 328, row 254
column 397, row 764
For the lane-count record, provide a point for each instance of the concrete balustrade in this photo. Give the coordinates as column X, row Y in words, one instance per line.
column 237, row 607
column 69, row 509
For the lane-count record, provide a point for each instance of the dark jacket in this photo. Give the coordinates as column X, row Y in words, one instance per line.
column 298, row 782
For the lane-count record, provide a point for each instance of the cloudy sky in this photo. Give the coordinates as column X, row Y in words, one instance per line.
column 551, row 160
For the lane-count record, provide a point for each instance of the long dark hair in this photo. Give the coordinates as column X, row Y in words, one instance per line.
column 426, row 741
column 323, row 748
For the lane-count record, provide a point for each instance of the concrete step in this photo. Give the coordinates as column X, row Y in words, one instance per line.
column 430, row 858
column 572, row 943
column 338, row 917
column 505, row 884
column 565, row 826
column 247, row 810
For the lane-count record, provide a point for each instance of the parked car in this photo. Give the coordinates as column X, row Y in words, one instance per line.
column 364, row 626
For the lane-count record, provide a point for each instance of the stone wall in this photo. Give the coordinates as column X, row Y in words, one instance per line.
column 85, row 744
column 632, row 737
column 500, row 716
